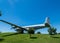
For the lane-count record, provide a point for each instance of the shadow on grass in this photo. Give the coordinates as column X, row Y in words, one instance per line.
column 33, row 37
column 1, row 39
column 55, row 37
column 10, row 34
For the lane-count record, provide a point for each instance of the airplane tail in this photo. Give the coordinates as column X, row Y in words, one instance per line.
column 47, row 20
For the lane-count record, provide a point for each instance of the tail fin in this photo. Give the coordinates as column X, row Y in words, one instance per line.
column 47, row 20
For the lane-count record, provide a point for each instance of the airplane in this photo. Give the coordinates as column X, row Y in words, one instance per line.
column 20, row 29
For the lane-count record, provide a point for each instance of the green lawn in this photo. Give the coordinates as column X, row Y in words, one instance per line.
column 25, row 38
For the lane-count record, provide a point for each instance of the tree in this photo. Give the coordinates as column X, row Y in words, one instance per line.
column 52, row 30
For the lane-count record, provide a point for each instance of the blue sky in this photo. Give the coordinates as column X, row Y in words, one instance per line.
column 29, row 12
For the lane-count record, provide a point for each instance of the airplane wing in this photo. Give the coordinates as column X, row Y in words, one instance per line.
column 13, row 25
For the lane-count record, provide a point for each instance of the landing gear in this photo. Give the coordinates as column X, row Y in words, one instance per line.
column 31, row 31
column 21, row 31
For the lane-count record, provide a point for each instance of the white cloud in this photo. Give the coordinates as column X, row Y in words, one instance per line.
column 12, row 2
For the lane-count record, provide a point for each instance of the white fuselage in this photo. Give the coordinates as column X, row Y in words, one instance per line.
column 38, row 26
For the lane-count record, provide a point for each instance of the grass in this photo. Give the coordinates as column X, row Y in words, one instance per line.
column 25, row 38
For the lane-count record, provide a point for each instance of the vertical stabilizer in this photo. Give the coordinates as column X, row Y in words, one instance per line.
column 47, row 20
